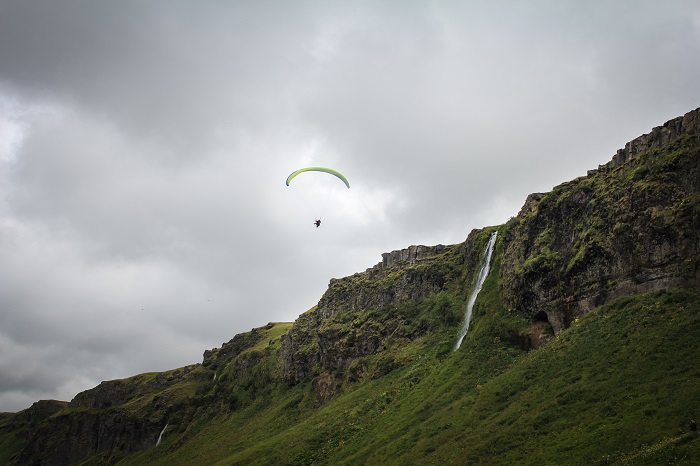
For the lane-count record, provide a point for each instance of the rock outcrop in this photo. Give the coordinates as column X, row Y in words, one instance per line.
column 115, row 418
column 631, row 227
column 40, row 411
column 218, row 357
column 71, row 437
column 404, row 275
column 315, row 345
column 687, row 125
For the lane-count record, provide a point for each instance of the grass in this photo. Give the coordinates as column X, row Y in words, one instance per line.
column 618, row 387
column 271, row 335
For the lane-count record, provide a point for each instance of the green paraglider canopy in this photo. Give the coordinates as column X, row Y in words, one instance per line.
column 319, row 169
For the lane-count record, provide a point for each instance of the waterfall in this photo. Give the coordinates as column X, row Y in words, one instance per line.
column 160, row 437
column 483, row 273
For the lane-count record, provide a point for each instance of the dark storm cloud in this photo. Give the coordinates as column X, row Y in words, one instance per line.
column 143, row 212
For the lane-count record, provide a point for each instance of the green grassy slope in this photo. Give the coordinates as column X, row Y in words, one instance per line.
column 618, row 387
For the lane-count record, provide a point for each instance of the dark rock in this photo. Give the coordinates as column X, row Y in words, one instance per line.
column 688, row 125
column 631, row 228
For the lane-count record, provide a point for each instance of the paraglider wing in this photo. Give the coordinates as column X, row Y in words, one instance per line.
column 319, row 169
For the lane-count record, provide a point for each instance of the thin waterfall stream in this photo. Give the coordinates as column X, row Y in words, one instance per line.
column 483, row 273
column 160, row 437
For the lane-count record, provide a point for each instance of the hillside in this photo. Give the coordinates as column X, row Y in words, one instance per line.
column 582, row 349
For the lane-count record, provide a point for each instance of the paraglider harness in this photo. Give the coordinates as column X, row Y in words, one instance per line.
column 317, row 222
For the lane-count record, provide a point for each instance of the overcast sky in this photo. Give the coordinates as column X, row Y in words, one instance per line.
column 144, row 147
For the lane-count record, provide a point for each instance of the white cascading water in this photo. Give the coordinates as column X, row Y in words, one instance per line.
column 160, row 437
column 483, row 273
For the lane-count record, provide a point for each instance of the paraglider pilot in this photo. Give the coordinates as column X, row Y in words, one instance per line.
column 317, row 223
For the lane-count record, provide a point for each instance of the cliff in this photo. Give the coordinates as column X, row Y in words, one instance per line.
column 379, row 344
column 630, row 227
column 319, row 343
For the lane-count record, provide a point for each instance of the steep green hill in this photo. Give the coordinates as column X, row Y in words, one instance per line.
column 582, row 349
column 618, row 387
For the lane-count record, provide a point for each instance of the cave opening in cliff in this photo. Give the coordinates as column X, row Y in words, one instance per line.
column 541, row 317
column 540, row 332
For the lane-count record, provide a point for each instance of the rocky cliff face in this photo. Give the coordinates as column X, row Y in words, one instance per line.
column 219, row 357
column 71, row 437
column 629, row 227
column 316, row 345
column 686, row 126
column 311, row 347
column 406, row 275
column 113, row 419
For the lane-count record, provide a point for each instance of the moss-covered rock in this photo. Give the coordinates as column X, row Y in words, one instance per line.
column 629, row 228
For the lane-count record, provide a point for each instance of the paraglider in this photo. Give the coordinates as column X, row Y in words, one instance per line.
column 330, row 171
column 319, row 169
